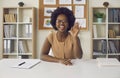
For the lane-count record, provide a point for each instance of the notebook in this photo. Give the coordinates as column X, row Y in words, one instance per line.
column 25, row 63
column 108, row 62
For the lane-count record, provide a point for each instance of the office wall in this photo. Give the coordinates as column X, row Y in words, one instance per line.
column 85, row 36
column 0, row 31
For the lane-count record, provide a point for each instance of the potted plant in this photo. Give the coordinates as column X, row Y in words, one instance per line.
column 99, row 16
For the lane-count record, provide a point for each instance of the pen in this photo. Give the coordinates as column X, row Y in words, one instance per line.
column 21, row 63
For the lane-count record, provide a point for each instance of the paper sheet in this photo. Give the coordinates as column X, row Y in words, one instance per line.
column 82, row 22
column 79, row 11
column 65, row 1
column 79, row 1
column 49, row 2
column 29, row 63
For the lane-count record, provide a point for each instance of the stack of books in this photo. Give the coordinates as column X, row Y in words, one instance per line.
column 10, row 17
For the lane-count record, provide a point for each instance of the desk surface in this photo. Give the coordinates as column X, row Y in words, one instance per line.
column 79, row 69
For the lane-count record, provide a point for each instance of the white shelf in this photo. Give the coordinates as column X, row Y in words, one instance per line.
column 24, row 22
column 99, row 38
column 10, row 54
column 99, row 23
column 10, row 23
column 113, row 53
column 113, row 23
column 106, row 41
column 25, row 53
column 19, row 32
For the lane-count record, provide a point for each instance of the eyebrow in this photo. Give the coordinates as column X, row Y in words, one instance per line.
column 62, row 20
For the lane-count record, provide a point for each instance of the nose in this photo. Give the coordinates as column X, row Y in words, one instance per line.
column 61, row 22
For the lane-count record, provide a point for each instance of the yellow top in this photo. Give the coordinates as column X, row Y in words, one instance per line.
column 61, row 49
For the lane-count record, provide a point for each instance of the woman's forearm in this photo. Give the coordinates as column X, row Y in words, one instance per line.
column 49, row 58
column 77, row 50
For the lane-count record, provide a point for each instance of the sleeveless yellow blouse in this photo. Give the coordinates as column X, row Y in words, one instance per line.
column 61, row 50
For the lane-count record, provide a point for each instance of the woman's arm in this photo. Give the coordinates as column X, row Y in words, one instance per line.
column 77, row 50
column 45, row 51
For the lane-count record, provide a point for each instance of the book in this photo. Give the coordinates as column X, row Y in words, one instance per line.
column 9, row 46
column 28, row 30
column 119, row 15
column 115, row 11
column 25, row 63
column 12, row 31
column 23, row 47
column 9, row 31
column 95, row 31
column 112, row 47
column 110, row 15
column 111, row 33
column 5, row 46
column 108, row 62
column 104, row 46
column 6, row 31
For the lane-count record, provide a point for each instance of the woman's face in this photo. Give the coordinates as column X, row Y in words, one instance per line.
column 62, row 23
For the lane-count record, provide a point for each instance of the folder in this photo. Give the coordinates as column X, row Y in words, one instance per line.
column 108, row 62
column 25, row 63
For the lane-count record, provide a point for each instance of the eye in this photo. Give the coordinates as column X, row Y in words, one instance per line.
column 61, row 21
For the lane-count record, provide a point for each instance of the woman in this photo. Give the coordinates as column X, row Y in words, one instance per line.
column 64, row 41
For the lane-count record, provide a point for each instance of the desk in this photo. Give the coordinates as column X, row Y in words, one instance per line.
column 80, row 69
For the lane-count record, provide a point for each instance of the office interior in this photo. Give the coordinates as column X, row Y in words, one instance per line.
column 85, row 35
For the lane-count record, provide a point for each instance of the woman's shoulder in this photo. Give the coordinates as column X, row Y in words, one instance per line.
column 51, row 36
column 52, row 33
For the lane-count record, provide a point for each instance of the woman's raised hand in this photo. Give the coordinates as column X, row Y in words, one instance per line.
column 75, row 29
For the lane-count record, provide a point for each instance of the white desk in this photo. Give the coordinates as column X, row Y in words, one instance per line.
column 80, row 69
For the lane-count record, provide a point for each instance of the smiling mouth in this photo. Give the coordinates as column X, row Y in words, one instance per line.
column 62, row 27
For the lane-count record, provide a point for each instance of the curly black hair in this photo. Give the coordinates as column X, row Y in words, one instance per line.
column 62, row 10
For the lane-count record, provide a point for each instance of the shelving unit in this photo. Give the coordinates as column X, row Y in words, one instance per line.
column 19, row 32
column 106, row 34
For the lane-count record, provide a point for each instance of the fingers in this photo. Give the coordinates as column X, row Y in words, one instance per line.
column 66, row 62
column 76, row 26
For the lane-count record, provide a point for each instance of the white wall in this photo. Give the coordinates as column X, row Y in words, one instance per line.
column 85, row 36
column 0, row 31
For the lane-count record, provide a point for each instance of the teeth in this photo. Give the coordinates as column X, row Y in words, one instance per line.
column 62, row 27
